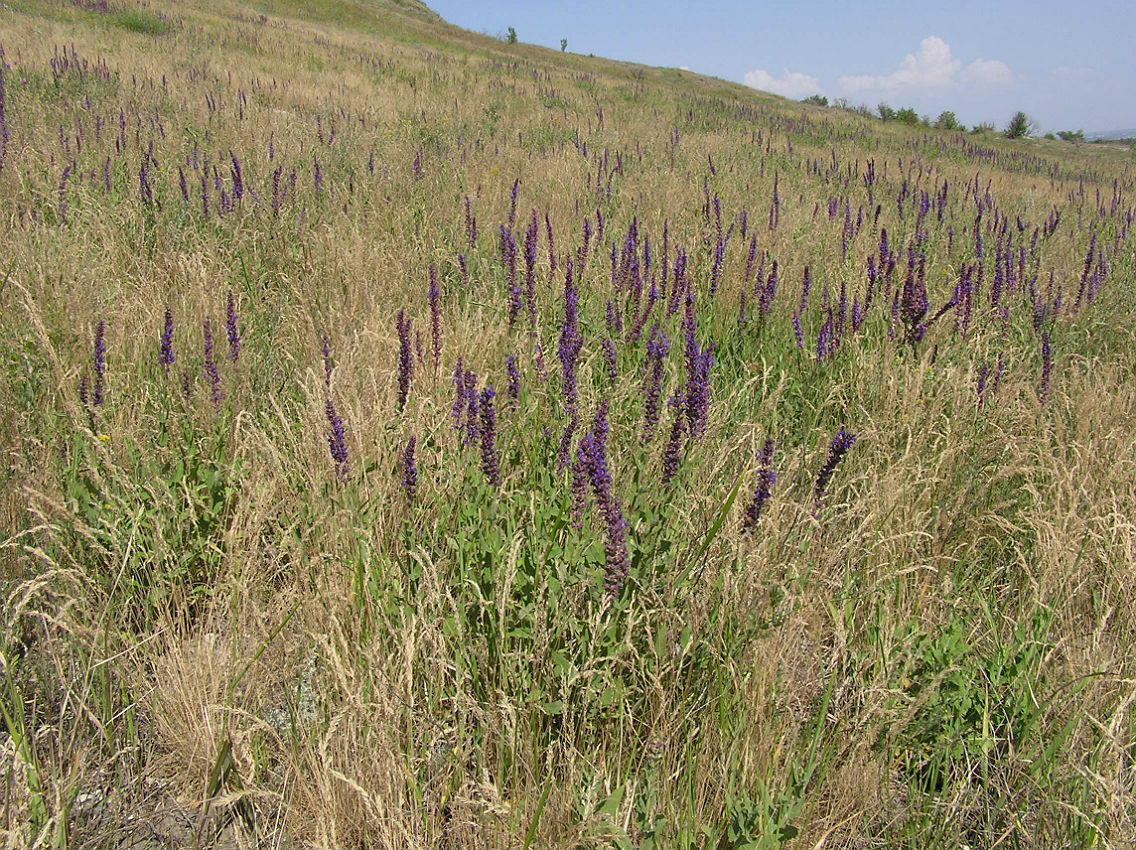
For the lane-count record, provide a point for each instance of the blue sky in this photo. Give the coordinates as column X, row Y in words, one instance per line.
column 1068, row 68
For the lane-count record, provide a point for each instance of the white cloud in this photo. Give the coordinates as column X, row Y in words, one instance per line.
column 931, row 67
column 789, row 84
column 987, row 72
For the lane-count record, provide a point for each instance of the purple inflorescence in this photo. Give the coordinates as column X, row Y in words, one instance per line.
column 766, row 478
column 434, row 297
column 768, row 291
column 3, row 120
column 570, row 342
column 563, row 453
column 166, row 349
column 532, row 233
column 464, row 270
column 980, row 388
column 471, row 423
column 672, row 452
column 825, row 341
column 470, row 224
column 607, row 346
column 657, row 348
column 806, row 286
column 409, row 470
column 1046, row 366
column 210, row 367
column 238, row 180
column 513, row 390
column 513, row 202
column 841, row 443
column 698, row 363
column 551, row 244
column 489, row 438
column 913, row 304
column 99, row 358
column 231, row 328
column 405, row 359
column 593, row 452
column 336, row 441
column 509, row 258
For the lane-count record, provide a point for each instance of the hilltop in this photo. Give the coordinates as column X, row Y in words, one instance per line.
column 415, row 439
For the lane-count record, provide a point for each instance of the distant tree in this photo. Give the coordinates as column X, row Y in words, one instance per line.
column 982, row 129
column 1071, row 135
column 886, row 112
column 907, row 115
column 563, row 44
column 948, row 121
column 1020, row 126
column 511, row 36
column 816, row 100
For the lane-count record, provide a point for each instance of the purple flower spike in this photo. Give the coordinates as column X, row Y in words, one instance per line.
column 841, row 443
column 336, row 440
column 611, row 361
column 99, row 359
column 657, row 348
column 409, row 470
column 532, row 233
column 238, row 180
column 570, row 343
column 231, row 328
column 405, row 359
column 563, row 452
column 471, row 425
column 983, row 374
column 1046, row 366
column 513, row 392
column 766, row 478
column 434, row 297
column 824, row 338
column 594, row 450
column 210, row 364
column 166, row 350
column 698, row 363
column 509, row 259
column 489, row 438
column 673, row 450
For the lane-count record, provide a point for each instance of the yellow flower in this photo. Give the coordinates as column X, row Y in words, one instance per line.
column 104, row 438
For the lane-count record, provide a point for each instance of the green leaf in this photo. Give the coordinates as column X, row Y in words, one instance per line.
column 723, row 512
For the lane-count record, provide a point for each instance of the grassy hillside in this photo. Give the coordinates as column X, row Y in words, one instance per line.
column 415, row 440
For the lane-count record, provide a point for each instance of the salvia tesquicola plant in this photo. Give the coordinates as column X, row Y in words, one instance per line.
column 562, row 298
